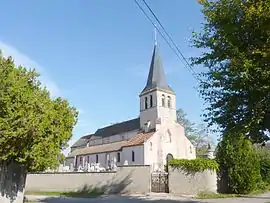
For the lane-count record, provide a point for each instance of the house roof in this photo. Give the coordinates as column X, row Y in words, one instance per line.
column 139, row 139
column 156, row 77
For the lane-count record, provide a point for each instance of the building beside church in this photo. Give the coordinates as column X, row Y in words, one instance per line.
column 146, row 140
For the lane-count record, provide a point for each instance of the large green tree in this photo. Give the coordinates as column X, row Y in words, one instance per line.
column 235, row 41
column 34, row 128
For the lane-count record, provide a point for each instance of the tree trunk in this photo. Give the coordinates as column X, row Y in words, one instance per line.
column 12, row 182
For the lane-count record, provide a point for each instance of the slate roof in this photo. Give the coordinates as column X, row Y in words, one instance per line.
column 118, row 128
column 156, row 77
column 82, row 141
column 139, row 139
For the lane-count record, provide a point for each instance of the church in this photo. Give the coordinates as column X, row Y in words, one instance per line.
column 147, row 140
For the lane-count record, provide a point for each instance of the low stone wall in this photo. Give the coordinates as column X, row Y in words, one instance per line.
column 127, row 179
column 180, row 182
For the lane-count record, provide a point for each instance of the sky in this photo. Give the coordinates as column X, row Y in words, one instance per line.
column 97, row 53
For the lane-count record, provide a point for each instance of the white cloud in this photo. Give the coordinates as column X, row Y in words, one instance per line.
column 22, row 59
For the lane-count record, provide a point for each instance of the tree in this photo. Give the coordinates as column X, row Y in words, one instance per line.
column 236, row 84
column 239, row 165
column 196, row 134
column 34, row 128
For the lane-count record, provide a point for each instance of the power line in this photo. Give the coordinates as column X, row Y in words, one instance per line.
column 169, row 36
column 178, row 53
column 151, row 21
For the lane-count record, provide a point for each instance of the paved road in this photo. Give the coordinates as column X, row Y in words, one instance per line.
column 147, row 199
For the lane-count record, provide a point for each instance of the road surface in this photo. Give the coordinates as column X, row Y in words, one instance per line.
column 146, row 199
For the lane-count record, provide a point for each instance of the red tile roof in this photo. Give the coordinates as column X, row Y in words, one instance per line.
column 139, row 139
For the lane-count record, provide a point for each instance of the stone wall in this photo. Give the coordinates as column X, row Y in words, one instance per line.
column 180, row 182
column 127, row 179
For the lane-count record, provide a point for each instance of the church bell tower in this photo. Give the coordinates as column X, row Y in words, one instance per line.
column 157, row 99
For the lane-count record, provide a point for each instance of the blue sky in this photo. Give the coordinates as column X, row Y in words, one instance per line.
column 97, row 53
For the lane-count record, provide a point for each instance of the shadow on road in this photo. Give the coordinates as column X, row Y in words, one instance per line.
column 114, row 199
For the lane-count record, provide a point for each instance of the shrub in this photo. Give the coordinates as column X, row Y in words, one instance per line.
column 239, row 163
column 194, row 165
column 264, row 157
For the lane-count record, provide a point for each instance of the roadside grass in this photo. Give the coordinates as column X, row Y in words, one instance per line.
column 224, row 195
column 216, row 195
column 82, row 194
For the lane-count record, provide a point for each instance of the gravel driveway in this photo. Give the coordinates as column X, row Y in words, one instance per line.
column 147, row 199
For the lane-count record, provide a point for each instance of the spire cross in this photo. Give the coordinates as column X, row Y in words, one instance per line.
column 155, row 32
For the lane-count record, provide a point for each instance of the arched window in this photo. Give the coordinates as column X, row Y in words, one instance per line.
column 151, row 146
column 118, row 157
column 145, row 103
column 169, row 102
column 169, row 136
column 151, row 101
column 163, row 100
column 133, row 156
column 190, row 150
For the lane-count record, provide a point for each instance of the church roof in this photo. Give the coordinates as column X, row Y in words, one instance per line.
column 139, row 139
column 156, row 76
column 119, row 128
column 110, row 147
column 82, row 141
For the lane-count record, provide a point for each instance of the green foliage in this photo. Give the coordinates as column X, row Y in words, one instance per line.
column 239, row 164
column 236, row 52
column 33, row 127
column 197, row 134
column 194, row 165
column 264, row 156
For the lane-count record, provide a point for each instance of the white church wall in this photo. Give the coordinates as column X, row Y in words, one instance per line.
column 169, row 139
column 148, row 115
column 150, row 152
column 166, row 113
column 103, row 158
column 138, row 155
column 188, row 150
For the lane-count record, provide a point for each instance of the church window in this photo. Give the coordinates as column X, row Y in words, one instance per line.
column 151, row 101
column 169, row 102
column 145, row 102
column 190, row 149
column 169, row 136
column 81, row 160
column 118, row 157
column 163, row 100
column 88, row 159
column 96, row 158
column 133, row 156
column 151, row 146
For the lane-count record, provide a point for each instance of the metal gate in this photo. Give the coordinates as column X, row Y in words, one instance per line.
column 159, row 182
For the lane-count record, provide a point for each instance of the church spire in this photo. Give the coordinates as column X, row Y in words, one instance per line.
column 156, row 76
